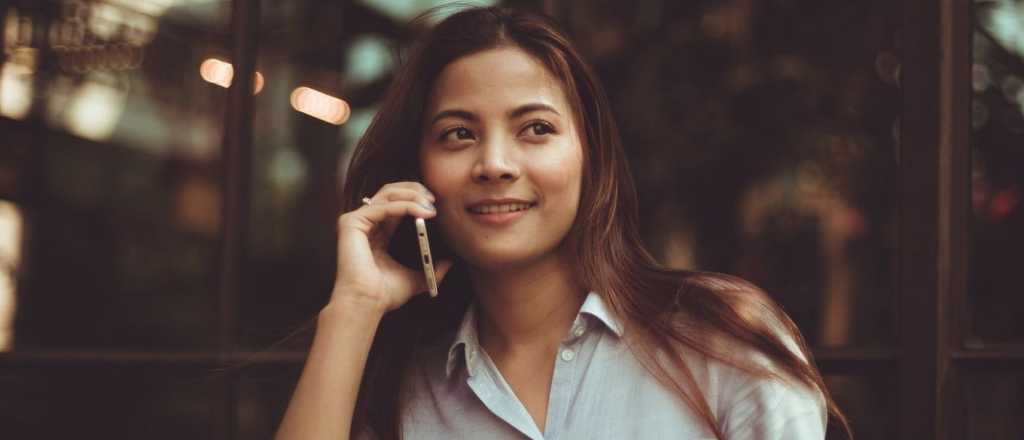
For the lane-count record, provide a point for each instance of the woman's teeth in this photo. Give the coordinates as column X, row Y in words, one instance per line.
column 497, row 209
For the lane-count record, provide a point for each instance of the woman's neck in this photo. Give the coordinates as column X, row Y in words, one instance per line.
column 526, row 310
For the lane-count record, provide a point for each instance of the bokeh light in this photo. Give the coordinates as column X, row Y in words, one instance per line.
column 368, row 59
column 95, row 111
column 15, row 90
column 405, row 10
column 320, row 105
column 11, row 231
column 1006, row 22
column 153, row 8
column 220, row 72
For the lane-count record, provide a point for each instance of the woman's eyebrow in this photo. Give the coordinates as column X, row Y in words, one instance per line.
column 532, row 107
column 512, row 114
column 454, row 113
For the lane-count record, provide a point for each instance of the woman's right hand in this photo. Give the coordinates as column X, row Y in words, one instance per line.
column 366, row 273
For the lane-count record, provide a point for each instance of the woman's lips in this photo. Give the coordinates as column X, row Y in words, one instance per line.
column 498, row 218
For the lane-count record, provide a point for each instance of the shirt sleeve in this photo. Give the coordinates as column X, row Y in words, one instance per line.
column 773, row 410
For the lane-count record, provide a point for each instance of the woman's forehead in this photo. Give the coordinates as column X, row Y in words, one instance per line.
column 496, row 80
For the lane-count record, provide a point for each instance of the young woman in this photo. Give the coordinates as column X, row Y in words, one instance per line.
column 552, row 320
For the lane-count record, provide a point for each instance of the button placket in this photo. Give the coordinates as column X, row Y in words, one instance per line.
column 562, row 385
column 579, row 327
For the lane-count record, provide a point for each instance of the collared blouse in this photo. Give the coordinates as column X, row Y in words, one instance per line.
column 599, row 390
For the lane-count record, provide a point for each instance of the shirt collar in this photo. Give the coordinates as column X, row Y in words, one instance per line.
column 596, row 307
column 465, row 338
column 467, row 343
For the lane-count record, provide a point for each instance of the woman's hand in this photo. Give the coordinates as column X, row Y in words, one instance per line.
column 366, row 273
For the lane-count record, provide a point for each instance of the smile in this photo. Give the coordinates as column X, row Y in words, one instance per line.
column 499, row 214
column 499, row 208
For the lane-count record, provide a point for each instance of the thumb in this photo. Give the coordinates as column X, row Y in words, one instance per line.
column 441, row 269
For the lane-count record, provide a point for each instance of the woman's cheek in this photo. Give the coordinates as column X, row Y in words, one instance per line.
column 446, row 179
column 560, row 174
column 437, row 174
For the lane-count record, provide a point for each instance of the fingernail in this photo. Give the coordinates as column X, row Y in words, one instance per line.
column 429, row 206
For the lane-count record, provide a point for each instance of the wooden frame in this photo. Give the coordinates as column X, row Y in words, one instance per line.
column 245, row 21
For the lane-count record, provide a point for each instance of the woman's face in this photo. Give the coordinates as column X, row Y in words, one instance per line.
column 501, row 154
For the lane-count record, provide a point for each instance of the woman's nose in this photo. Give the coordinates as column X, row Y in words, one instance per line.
column 496, row 163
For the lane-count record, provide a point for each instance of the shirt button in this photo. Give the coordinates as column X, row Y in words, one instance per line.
column 568, row 355
column 578, row 331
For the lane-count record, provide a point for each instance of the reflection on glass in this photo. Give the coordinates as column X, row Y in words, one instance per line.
column 997, row 171
column 120, row 173
column 764, row 145
column 805, row 194
column 994, row 404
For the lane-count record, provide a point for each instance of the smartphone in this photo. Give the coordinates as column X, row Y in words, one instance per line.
column 425, row 258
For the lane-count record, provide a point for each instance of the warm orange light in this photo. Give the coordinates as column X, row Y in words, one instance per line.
column 217, row 72
column 257, row 83
column 221, row 72
column 320, row 105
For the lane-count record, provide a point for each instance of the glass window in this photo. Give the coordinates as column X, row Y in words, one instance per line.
column 764, row 141
column 291, row 245
column 997, row 170
column 117, row 131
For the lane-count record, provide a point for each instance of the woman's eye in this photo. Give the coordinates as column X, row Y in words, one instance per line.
column 540, row 128
column 461, row 133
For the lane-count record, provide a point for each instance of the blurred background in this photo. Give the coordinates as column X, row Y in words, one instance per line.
column 764, row 135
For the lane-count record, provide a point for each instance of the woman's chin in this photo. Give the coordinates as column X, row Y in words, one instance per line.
column 499, row 259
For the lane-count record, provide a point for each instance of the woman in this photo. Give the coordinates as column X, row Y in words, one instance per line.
column 552, row 320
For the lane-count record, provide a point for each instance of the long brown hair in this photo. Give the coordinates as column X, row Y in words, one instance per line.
column 665, row 312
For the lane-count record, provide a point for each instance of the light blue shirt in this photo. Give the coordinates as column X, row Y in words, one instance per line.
column 599, row 391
